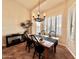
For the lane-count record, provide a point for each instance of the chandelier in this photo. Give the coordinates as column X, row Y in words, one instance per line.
column 38, row 18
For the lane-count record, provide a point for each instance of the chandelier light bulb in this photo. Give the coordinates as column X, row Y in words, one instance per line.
column 33, row 14
column 44, row 14
column 38, row 13
column 38, row 18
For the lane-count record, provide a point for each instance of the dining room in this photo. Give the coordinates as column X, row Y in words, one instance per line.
column 39, row 29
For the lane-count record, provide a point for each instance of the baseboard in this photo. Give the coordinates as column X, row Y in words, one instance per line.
column 71, row 52
column 61, row 44
column 3, row 45
column 68, row 49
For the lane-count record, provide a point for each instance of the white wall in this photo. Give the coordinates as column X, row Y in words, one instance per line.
column 13, row 14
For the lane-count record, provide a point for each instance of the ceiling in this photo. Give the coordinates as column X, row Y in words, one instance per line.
column 29, row 4
column 48, row 4
column 33, row 4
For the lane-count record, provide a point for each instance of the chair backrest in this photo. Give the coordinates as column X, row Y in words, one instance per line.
column 34, row 38
column 43, row 32
column 38, row 47
column 52, row 33
column 35, row 41
column 25, row 36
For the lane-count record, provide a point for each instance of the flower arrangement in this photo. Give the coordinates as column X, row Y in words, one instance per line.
column 26, row 25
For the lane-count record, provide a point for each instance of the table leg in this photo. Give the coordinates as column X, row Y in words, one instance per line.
column 46, row 53
column 54, row 49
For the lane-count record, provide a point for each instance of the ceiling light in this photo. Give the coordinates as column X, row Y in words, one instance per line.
column 38, row 18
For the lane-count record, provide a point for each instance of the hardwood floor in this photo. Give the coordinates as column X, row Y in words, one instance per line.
column 19, row 52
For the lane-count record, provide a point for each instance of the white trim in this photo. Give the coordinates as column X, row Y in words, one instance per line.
column 68, row 49
column 71, row 52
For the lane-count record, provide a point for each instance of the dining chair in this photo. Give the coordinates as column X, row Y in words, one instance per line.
column 29, row 42
column 38, row 48
column 43, row 32
column 52, row 33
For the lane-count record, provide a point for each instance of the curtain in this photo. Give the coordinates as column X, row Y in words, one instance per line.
column 71, row 23
column 53, row 24
column 50, row 24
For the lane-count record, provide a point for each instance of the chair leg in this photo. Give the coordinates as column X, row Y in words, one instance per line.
column 34, row 54
column 29, row 49
column 26, row 47
column 39, row 55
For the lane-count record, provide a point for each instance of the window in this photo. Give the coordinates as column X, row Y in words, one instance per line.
column 59, row 24
column 53, row 24
column 38, row 30
column 49, row 24
column 45, row 24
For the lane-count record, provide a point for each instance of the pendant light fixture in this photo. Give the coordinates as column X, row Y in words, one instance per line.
column 38, row 18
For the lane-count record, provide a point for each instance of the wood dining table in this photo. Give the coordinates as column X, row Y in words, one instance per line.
column 47, row 42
